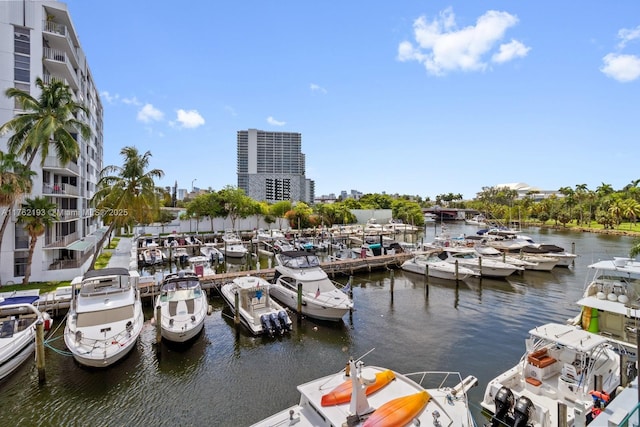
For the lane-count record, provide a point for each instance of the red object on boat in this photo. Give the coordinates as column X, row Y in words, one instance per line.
column 342, row 393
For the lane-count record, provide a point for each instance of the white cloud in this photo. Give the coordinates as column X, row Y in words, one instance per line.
column 149, row 113
column 315, row 88
column 441, row 47
column 190, row 119
column 509, row 51
column 108, row 97
column 274, row 122
column 626, row 35
column 623, row 68
column 131, row 101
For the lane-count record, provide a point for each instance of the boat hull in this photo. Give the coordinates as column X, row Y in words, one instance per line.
column 316, row 308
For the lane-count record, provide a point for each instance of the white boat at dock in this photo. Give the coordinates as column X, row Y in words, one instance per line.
column 437, row 268
column 362, row 395
column 105, row 317
column 18, row 318
column 183, row 307
column 321, row 299
column 563, row 367
column 258, row 311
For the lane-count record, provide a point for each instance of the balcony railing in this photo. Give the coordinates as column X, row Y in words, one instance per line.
column 53, row 162
column 61, row 30
column 63, row 189
column 61, row 242
column 61, row 264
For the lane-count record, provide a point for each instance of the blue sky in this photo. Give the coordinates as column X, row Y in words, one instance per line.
column 410, row 97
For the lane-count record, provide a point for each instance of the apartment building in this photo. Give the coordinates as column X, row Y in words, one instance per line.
column 38, row 39
column 271, row 166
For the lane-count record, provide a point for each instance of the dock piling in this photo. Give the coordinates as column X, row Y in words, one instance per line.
column 40, row 364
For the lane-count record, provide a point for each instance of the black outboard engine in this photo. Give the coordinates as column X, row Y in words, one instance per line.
column 275, row 323
column 282, row 317
column 266, row 325
column 522, row 411
column 503, row 402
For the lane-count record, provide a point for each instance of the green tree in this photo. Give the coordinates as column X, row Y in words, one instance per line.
column 15, row 182
column 48, row 122
column 279, row 209
column 236, row 204
column 36, row 215
column 126, row 194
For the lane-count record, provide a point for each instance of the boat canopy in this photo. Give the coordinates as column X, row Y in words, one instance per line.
column 569, row 336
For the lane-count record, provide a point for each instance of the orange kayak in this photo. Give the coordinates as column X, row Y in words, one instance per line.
column 342, row 393
column 398, row 412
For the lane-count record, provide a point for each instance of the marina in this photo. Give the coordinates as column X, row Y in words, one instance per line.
column 475, row 327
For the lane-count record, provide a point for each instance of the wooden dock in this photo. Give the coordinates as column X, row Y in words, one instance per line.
column 57, row 302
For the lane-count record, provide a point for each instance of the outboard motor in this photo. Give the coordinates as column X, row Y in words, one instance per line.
column 282, row 317
column 266, row 325
column 522, row 411
column 275, row 323
column 503, row 402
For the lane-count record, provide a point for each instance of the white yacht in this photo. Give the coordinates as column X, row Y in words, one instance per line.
column 153, row 255
column 261, row 314
column 321, row 299
column 362, row 395
column 18, row 317
column 201, row 266
column 183, row 307
column 485, row 267
column 105, row 317
column 563, row 367
column 233, row 247
column 212, row 252
column 610, row 304
column 437, row 267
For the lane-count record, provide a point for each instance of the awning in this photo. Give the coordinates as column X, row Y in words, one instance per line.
column 80, row 245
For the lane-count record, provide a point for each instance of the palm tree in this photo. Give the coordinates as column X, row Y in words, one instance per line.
column 47, row 122
column 126, row 194
column 15, row 182
column 36, row 214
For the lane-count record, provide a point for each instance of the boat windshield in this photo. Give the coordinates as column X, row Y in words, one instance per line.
column 180, row 285
column 305, row 261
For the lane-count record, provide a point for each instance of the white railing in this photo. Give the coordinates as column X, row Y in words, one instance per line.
column 53, row 162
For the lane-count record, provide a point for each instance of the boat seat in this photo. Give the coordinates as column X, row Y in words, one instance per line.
column 540, row 359
column 533, row 381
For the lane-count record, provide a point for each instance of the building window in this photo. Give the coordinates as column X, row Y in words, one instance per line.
column 21, row 59
column 20, row 263
column 21, row 237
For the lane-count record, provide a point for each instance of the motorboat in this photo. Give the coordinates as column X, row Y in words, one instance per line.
column 490, row 252
column 18, row 318
column 610, row 301
column 563, row 258
column 562, row 373
column 260, row 313
column 153, row 255
column 282, row 245
column 233, row 247
column 321, row 298
column 479, row 220
column 362, row 395
column 212, row 252
column 180, row 254
column 485, row 267
column 105, row 317
column 183, row 306
column 201, row 266
column 429, row 263
column 269, row 235
column 397, row 226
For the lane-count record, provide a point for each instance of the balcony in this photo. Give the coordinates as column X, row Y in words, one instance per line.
column 57, row 61
column 61, row 242
column 52, row 163
column 60, row 189
column 60, row 37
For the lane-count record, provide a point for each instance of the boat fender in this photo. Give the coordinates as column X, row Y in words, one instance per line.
column 522, row 411
column 275, row 323
column 503, row 402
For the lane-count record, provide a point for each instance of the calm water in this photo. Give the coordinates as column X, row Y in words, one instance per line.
column 476, row 328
